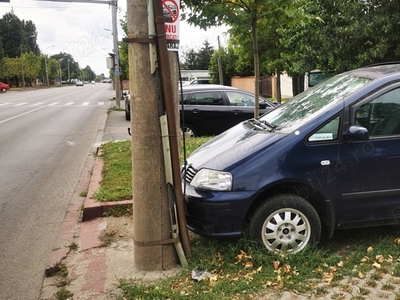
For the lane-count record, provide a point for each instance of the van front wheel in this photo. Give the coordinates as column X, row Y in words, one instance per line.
column 285, row 223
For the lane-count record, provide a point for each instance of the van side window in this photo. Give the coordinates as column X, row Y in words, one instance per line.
column 207, row 98
column 381, row 116
column 328, row 132
column 240, row 99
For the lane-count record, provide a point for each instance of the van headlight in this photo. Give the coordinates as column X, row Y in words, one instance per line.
column 212, row 180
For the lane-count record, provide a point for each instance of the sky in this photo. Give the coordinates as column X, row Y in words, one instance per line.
column 84, row 30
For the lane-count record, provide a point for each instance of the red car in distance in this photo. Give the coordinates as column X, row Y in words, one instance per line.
column 4, row 87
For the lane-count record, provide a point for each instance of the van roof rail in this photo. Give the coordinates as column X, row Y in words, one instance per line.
column 382, row 64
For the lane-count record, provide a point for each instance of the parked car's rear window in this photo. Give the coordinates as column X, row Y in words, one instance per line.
column 300, row 109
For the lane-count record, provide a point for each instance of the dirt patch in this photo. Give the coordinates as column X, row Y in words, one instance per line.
column 117, row 229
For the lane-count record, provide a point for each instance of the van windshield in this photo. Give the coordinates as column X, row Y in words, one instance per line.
column 301, row 109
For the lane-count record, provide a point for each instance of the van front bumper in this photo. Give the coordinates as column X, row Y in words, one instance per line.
column 216, row 213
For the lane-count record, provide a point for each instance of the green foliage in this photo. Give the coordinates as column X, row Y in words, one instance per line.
column 345, row 35
column 10, row 67
column 31, row 65
column 123, row 52
column 18, row 47
column 198, row 60
column 229, row 62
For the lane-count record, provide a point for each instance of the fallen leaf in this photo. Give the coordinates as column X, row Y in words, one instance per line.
column 332, row 269
column 213, row 280
column 340, row 264
column 361, row 275
column 286, row 269
column 380, row 258
column 365, row 259
column 259, row 269
column 327, row 277
column 370, row 249
column 276, row 264
column 376, row 265
column 248, row 265
column 397, row 240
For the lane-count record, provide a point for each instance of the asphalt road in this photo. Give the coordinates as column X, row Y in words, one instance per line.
column 46, row 137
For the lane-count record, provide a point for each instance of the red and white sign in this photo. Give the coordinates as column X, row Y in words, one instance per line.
column 171, row 8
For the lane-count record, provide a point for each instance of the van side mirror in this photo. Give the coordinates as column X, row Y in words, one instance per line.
column 357, row 133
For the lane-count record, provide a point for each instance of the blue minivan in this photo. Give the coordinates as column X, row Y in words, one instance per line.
column 329, row 157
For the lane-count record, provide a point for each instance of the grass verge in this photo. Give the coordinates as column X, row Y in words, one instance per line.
column 243, row 270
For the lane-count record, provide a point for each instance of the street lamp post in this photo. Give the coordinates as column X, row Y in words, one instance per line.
column 45, row 64
column 59, row 68
column 69, row 74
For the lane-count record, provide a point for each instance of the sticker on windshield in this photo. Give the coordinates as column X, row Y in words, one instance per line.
column 321, row 137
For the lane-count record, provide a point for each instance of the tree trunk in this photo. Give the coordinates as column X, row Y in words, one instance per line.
column 278, row 87
column 151, row 220
column 256, row 65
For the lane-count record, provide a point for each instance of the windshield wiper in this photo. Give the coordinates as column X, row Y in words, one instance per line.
column 261, row 125
column 270, row 125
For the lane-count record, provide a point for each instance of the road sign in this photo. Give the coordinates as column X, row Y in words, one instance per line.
column 171, row 8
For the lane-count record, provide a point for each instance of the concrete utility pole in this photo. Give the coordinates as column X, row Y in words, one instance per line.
column 153, row 248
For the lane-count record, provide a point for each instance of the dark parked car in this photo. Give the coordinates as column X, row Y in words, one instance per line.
column 211, row 109
column 329, row 157
column 4, row 87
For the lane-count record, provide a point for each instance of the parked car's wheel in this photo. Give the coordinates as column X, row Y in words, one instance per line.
column 4, row 90
column 188, row 131
column 285, row 223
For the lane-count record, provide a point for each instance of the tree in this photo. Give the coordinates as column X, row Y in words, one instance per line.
column 123, row 52
column 198, row 60
column 346, row 35
column 244, row 14
column 31, row 66
column 17, row 36
column 228, row 62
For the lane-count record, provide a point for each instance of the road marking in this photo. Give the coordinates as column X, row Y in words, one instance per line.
column 100, row 103
column 20, row 104
column 85, row 103
column 54, row 103
column 20, row 115
column 69, row 103
column 4, row 103
column 39, row 103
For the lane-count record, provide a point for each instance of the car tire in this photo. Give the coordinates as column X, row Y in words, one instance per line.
column 189, row 131
column 286, row 223
column 127, row 115
column 4, row 90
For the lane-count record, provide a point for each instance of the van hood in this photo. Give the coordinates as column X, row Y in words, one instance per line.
column 228, row 149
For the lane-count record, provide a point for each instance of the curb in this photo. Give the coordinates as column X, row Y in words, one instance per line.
column 93, row 209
